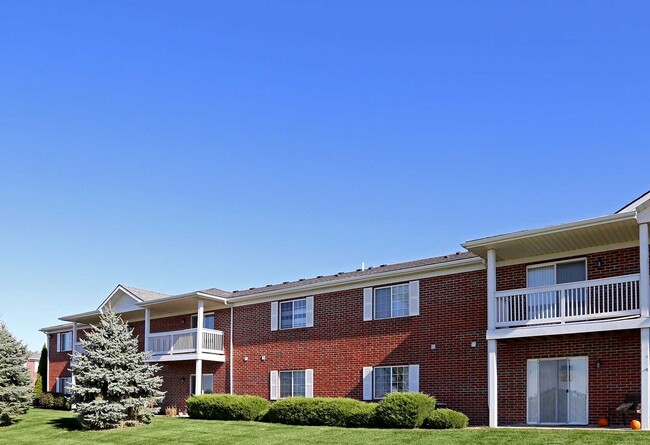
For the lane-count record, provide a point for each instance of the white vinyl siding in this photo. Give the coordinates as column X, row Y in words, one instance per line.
column 298, row 383
column 64, row 342
column 389, row 379
column 207, row 384
column 399, row 300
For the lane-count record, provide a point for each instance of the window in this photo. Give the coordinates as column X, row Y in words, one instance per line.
column 208, row 321
column 65, row 342
column 388, row 379
column 557, row 273
column 207, row 384
column 292, row 384
column 63, row 385
column 392, row 301
column 293, row 314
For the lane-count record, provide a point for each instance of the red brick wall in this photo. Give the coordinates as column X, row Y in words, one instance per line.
column 614, row 263
column 619, row 353
column 59, row 363
column 453, row 314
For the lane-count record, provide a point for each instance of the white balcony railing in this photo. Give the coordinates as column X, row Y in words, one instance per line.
column 182, row 342
column 571, row 302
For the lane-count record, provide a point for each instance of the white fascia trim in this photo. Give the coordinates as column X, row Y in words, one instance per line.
column 573, row 328
column 123, row 289
column 61, row 328
column 221, row 358
column 568, row 253
column 481, row 242
column 199, row 295
column 73, row 317
column 431, row 270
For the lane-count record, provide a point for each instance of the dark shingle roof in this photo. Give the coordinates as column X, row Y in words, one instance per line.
column 358, row 273
column 145, row 295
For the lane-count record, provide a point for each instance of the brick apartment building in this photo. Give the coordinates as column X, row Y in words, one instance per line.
column 548, row 326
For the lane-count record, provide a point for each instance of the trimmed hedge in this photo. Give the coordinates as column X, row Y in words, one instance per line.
column 225, row 407
column 54, row 400
column 442, row 419
column 322, row 411
column 404, row 410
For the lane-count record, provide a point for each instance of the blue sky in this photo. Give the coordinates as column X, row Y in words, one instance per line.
column 177, row 146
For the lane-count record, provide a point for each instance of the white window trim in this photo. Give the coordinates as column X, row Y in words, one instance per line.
column 374, row 390
column 196, row 317
column 202, row 388
column 374, row 301
column 292, row 384
column 280, row 303
column 60, row 345
column 555, row 263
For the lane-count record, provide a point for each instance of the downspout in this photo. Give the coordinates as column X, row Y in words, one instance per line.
column 232, row 379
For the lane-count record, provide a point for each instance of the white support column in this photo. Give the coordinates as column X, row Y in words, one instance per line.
column 492, row 344
column 147, row 328
column 491, row 287
column 645, row 378
column 644, row 282
column 492, row 383
column 199, row 348
column 74, row 347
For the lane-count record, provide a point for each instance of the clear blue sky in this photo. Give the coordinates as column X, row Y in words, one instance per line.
column 176, row 146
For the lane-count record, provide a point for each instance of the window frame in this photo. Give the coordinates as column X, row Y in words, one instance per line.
column 61, row 344
column 304, row 372
column 554, row 264
column 293, row 314
column 202, row 388
column 391, row 367
column 63, row 385
column 195, row 318
column 391, row 287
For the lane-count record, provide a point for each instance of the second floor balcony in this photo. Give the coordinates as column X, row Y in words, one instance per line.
column 184, row 345
column 583, row 301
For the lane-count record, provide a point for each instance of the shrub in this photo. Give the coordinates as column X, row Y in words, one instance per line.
column 38, row 388
column 225, row 407
column 442, row 419
column 322, row 411
column 404, row 410
column 54, row 400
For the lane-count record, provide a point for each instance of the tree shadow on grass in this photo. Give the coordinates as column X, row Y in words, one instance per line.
column 66, row 423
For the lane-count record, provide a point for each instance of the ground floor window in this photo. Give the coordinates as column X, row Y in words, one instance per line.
column 390, row 379
column 557, row 391
column 207, row 383
column 292, row 384
column 63, row 385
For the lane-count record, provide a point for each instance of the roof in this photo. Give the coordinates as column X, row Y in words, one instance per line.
column 145, row 295
column 636, row 203
column 357, row 273
column 36, row 355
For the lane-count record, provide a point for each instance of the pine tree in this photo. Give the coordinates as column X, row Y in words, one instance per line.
column 114, row 386
column 15, row 391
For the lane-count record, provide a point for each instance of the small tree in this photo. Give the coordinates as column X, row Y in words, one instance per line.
column 15, row 391
column 42, row 368
column 114, row 384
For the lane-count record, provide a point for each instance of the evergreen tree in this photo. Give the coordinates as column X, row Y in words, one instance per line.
column 114, row 386
column 15, row 391
column 42, row 368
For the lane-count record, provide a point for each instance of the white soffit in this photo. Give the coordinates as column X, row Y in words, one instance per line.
column 602, row 231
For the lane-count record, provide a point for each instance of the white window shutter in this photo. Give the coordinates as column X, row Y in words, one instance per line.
column 274, row 316
column 414, row 298
column 414, row 378
column 367, row 383
column 309, row 311
column 367, row 304
column 58, row 344
column 275, row 386
column 309, row 383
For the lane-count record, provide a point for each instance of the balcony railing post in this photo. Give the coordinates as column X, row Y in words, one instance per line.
column 563, row 305
column 491, row 288
column 147, row 328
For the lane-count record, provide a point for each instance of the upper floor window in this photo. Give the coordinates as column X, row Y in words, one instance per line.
column 292, row 314
column 64, row 342
column 557, row 273
column 400, row 300
column 208, row 321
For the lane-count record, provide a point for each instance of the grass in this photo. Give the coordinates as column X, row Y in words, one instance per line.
column 58, row 427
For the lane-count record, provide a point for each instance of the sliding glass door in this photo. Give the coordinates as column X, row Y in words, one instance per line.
column 558, row 391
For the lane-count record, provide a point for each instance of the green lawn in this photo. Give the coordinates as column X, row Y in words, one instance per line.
column 55, row 427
